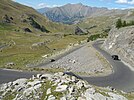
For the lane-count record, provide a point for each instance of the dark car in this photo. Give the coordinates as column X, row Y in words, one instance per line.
column 52, row 60
column 115, row 57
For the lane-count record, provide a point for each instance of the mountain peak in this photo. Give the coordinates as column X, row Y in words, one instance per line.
column 70, row 13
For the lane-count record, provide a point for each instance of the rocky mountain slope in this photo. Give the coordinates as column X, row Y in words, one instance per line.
column 121, row 42
column 58, row 86
column 26, row 35
column 72, row 13
column 25, row 18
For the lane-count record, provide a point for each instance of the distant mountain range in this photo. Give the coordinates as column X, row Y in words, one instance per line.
column 25, row 18
column 72, row 13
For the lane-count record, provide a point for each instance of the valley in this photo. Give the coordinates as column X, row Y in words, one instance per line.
column 65, row 52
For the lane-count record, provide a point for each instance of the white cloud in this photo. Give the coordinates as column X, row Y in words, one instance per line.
column 125, row 1
column 42, row 5
column 121, row 1
column 56, row 5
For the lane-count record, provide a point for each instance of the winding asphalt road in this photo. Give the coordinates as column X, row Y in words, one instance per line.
column 122, row 78
column 10, row 75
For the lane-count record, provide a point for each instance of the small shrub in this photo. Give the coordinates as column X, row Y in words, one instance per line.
column 123, row 23
column 119, row 23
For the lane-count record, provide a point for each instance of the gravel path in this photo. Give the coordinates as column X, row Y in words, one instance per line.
column 85, row 61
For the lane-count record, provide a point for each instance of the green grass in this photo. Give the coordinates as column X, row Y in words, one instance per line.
column 9, row 96
column 129, row 96
column 19, row 47
column 48, row 85
column 64, row 42
column 5, row 27
column 100, row 23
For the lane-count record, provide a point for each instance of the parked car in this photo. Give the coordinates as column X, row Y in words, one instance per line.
column 52, row 60
column 115, row 57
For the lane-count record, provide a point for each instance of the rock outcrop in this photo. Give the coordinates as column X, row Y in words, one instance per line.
column 121, row 42
column 80, row 31
column 27, row 30
column 7, row 19
column 59, row 86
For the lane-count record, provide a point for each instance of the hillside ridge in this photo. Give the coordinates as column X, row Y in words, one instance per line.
column 71, row 13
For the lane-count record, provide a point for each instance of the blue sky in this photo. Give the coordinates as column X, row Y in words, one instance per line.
column 95, row 3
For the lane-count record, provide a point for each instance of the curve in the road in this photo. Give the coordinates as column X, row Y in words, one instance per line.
column 122, row 78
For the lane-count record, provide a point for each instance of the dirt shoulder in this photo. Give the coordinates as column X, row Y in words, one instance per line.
column 85, row 61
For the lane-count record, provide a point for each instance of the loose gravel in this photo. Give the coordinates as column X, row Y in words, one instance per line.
column 83, row 61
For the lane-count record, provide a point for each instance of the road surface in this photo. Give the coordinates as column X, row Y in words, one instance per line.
column 122, row 78
column 10, row 75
